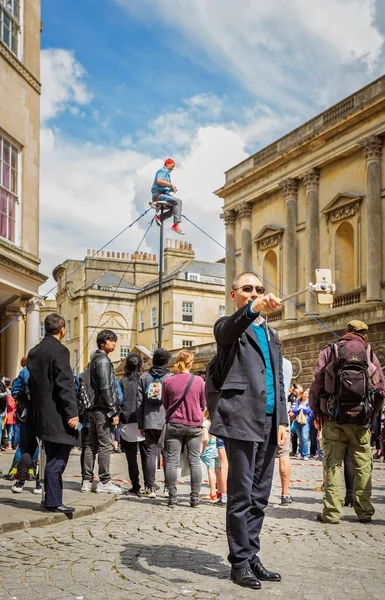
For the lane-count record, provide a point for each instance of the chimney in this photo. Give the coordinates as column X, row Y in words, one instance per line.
column 175, row 253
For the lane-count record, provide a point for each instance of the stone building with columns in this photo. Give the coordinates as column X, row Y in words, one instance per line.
column 119, row 291
column 315, row 199
column 19, row 180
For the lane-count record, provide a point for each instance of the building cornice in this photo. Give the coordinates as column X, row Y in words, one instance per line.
column 20, row 268
column 19, row 67
column 308, row 136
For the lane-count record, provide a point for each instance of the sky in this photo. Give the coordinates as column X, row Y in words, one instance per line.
column 127, row 84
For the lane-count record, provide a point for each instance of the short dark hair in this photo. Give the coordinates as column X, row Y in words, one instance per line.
column 53, row 323
column 105, row 336
column 160, row 357
column 133, row 363
column 237, row 277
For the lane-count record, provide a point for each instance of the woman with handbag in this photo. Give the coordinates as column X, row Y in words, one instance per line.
column 184, row 400
column 303, row 414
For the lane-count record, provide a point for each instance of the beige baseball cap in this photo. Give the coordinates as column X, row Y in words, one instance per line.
column 357, row 326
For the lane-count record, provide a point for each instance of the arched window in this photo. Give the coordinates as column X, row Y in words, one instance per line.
column 344, row 258
column 270, row 271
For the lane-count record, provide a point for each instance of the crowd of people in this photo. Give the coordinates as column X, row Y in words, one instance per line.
column 166, row 417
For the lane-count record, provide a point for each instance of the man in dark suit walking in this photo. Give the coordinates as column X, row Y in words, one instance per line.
column 251, row 417
column 53, row 413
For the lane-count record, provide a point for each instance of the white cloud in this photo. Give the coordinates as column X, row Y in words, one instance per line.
column 63, row 83
column 91, row 192
column 276, row 48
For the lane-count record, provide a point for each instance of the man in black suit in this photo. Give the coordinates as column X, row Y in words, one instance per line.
column 251, row 417
column 53, row 413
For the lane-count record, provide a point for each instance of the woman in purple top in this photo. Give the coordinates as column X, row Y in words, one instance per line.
column 184, row 425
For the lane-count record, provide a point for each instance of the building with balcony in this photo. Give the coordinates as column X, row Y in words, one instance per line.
column 120, row 291
column 19, row 179
column 315, row 199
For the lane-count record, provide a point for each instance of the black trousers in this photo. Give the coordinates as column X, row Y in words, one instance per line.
column 57, row 459
column 151, row 452
column 251, row 468
column 131, row 451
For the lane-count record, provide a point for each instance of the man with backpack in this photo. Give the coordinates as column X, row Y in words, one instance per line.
column 346, row 394
column 151, row 415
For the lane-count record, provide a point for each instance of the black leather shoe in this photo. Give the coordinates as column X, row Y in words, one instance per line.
column 66, row 510
column 245, row 578
column 349, row 500
column 263, row 574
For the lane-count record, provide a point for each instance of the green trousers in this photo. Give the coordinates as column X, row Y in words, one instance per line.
column 336, row 438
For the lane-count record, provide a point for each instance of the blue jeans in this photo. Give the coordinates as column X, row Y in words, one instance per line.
column 174, row 207
column 303, row 435
column 10, row 434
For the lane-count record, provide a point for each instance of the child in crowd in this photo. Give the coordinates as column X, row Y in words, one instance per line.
column 209, row 456
column 11, row 422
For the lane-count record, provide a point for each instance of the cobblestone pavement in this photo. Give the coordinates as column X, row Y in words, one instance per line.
column 141, row 550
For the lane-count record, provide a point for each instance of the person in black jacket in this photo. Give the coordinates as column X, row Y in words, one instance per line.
column 129, row 432
column 102, row 417
column 52, row 413
column 251, row 417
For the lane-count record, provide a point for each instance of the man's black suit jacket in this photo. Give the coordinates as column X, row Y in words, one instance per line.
column 53, row 399
column 241, row 408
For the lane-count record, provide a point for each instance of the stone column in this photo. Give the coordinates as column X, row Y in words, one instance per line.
column 230, row 270
column 13, row 345
column 32, row 325
column 246, row 244
column 311, row 181
column 290, row 256
column 372, row 148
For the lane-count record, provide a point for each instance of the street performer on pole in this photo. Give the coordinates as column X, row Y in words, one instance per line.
column 161, row 192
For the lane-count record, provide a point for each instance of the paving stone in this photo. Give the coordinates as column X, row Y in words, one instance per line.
column 144, row 551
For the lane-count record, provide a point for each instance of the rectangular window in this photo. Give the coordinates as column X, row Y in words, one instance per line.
column 124, row 352
column 192, row 276
column 187, row 343
column 222, row 310
column 76, row 327
column 10, row 24
column 9, row 160
column 187, row 312
column 41, row 330
column 153, row 316
column 68, row 331
column 141, row 321
column 76, row 361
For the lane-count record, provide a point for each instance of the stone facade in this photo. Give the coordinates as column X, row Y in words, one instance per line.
column 19, row 184
column 315, row 199
column 119, row 291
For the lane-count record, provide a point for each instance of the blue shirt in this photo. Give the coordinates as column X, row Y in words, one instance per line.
column 164, row 174
column 260, row 332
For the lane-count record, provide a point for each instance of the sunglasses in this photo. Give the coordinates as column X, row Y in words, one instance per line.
column 249, row 288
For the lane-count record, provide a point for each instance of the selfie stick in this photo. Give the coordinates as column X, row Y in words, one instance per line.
column 323, row 287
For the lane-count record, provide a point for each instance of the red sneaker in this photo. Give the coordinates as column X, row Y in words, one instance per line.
column 177, row 229
column 158, row 221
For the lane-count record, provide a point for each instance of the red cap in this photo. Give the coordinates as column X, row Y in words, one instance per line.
column 169, row 161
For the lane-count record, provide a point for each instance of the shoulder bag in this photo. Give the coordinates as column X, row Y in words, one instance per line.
column 162, row 439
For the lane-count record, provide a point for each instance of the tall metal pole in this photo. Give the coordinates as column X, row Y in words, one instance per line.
column 160, row 312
